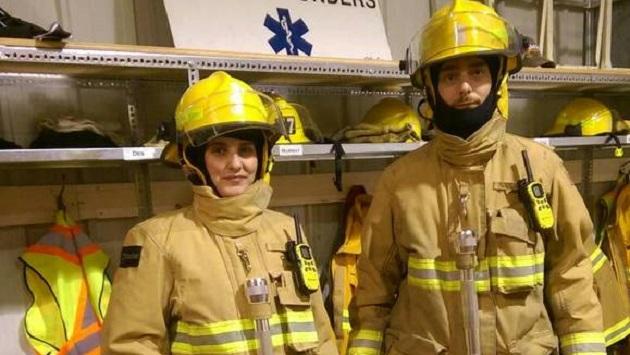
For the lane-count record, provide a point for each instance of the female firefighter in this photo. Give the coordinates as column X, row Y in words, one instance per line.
column 193, row 281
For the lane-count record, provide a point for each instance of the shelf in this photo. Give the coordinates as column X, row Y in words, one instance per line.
column 77, row 156
column 126, row 62
column 282, row 153
column 575, row 142
column 571, row 79
column 164, row 63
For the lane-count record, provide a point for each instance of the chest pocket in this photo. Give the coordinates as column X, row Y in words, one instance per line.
column 518, row 261
column 293, row 324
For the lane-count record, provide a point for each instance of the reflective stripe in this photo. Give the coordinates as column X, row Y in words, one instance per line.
column 502, row 272
column 591, row 343
column 345, row 325
column 509, row 272
column 617, row 331
column 598, row 258
column 366, row 342
column 235, row 336
column 431, row 274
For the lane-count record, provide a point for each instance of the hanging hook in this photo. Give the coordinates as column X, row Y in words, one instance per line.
column 61, row 206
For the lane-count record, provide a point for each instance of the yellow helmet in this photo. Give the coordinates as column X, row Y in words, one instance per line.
column 583, row 117
column 218, row 105
column 396, row 116
column 463, row 28
column 297, row 120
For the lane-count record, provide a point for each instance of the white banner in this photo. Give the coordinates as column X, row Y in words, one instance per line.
column 319, row 28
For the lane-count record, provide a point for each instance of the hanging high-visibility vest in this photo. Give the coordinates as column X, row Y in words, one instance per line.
column 622, row 222
column 344, row 268
column 613, row 229
column 65, row 273
column 611, row 279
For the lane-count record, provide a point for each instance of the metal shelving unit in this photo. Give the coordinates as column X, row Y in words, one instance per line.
column 123, row 62
column 126, row 67
column 281, row 153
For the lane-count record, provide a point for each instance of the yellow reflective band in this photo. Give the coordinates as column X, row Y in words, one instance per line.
column 294, row 338
column 292, row 317
column 517, row 261
column 369, row 334
column 363, row 351
column 432, row 264
column 225, row 348
column 345, row 324
column 587, row 343
column 238, row 336
column 598, row 258
column 443, row 285
column 215, row 328
column 366, row 342
column 617, row 332
column 526, row 280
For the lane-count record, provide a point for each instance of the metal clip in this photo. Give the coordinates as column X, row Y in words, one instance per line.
column 463, row 201
column 242, row 254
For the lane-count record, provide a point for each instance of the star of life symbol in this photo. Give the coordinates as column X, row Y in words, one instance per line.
column 287, row 34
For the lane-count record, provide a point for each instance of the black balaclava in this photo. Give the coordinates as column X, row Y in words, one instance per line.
column 464, row 122
column 196, row 155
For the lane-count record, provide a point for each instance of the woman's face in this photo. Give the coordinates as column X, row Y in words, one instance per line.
column 232, row 164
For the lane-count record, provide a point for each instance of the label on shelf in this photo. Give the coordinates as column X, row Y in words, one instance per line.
column 140, row 153
column 290, row 150
column 627, row 138
column 543, row 140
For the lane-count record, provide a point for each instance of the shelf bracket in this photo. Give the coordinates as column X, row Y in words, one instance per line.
column 586, row 187
column 193, row 73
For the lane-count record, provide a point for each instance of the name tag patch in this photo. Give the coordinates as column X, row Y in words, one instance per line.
column 130, row 256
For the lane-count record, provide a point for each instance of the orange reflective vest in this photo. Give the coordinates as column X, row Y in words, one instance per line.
column 344, row 267
column 65, row 273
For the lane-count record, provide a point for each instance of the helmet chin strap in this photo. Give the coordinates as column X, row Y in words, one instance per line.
column 192, row 173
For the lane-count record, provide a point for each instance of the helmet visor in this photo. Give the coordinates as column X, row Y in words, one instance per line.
column 229, row 111
column 461, row 34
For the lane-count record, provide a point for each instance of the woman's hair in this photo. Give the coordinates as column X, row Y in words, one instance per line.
column 196, row 155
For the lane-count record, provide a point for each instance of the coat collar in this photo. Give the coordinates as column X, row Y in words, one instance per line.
column 477, row 149
column 231, row 216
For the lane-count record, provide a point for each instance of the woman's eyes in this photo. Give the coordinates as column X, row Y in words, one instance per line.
column 247, row 150
column 217, row 150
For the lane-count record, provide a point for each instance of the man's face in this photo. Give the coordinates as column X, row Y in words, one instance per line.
column 464, row 83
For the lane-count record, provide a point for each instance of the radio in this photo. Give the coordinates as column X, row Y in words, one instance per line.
column 300, row 256
column 534, row 198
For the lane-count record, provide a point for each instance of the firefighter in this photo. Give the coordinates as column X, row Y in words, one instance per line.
column 458, row 255
column 183, row 284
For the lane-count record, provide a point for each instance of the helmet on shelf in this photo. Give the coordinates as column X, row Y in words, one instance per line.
column 582, row 117
column 297, row 120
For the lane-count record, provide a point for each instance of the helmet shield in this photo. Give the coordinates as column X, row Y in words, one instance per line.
column 228, row 111
column 463, row 32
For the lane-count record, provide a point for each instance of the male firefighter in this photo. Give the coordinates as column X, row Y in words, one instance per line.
column 478, row 242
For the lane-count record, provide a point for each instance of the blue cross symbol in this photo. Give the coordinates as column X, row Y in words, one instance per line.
column 287, row 34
